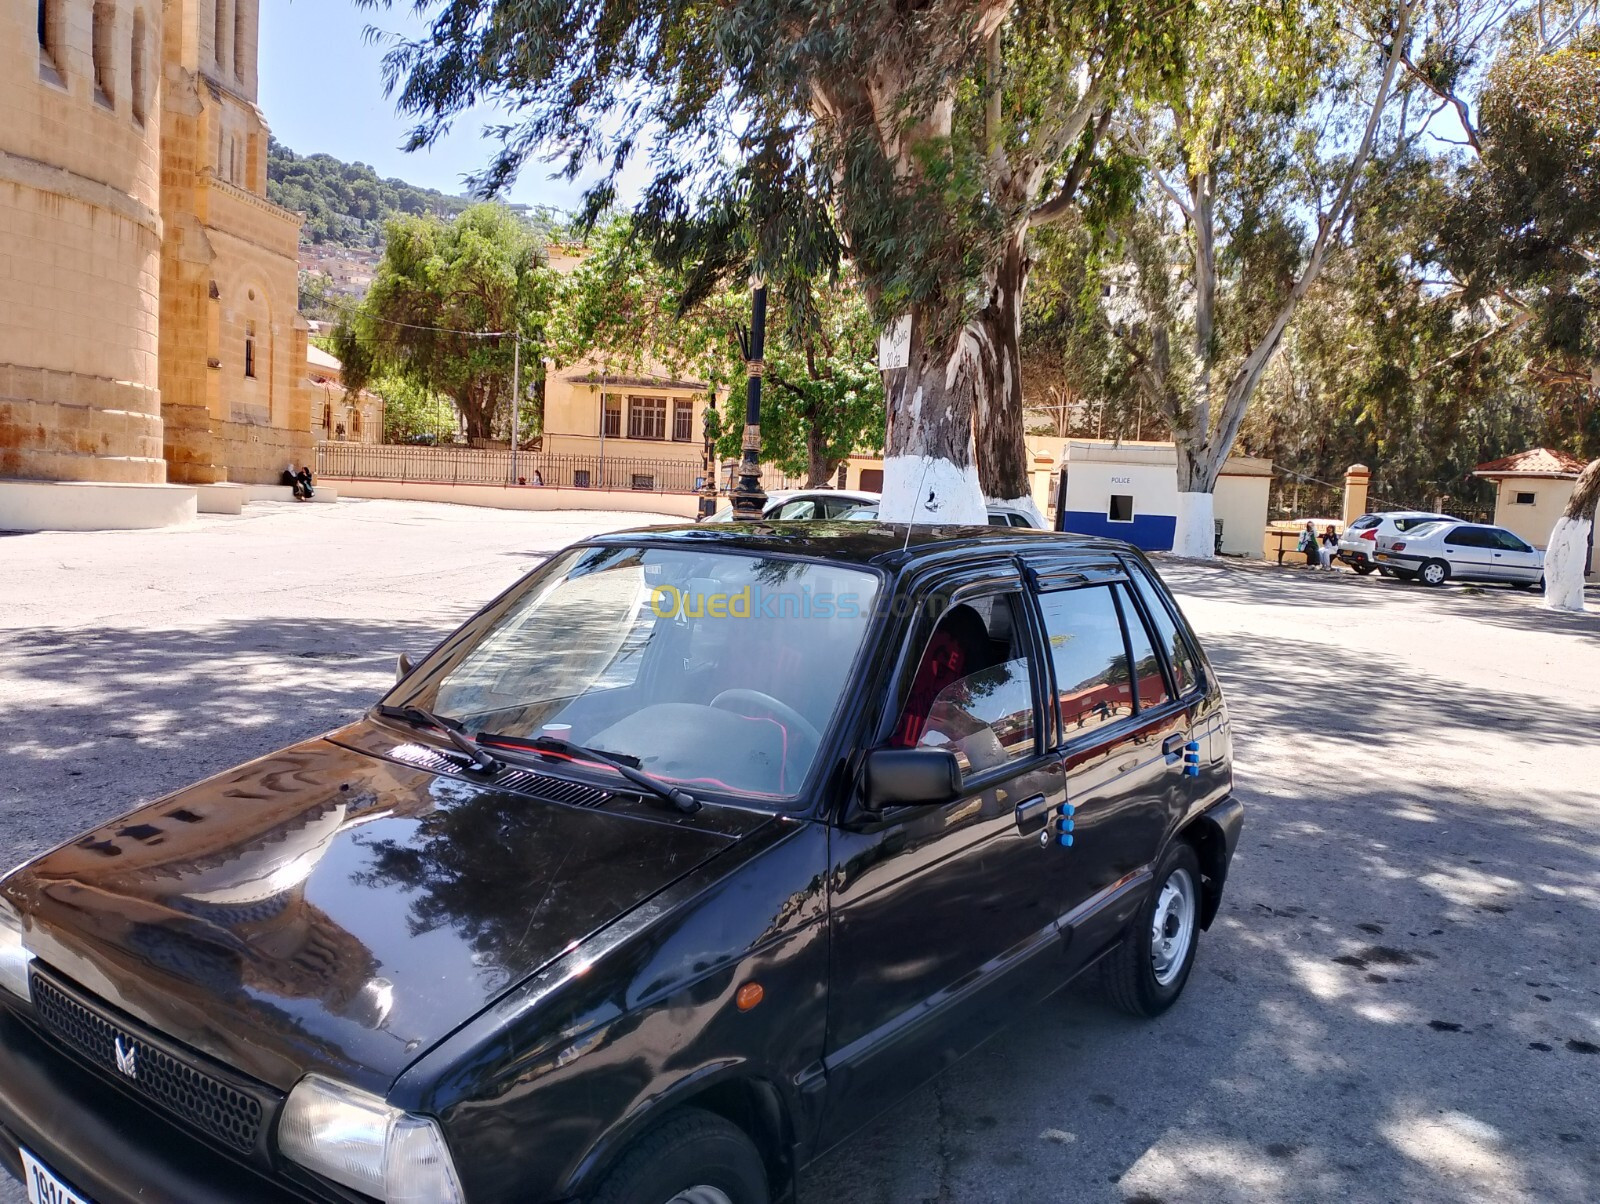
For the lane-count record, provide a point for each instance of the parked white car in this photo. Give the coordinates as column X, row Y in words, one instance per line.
column 803, row 505
column 999, row 516
column 1435, row 552
column 1358, row 545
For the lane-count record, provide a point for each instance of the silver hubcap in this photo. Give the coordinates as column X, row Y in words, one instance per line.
column 1433, row 574
column 1172, row 927
column 703, row 1194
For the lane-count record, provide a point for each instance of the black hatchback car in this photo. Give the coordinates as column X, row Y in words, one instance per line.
column 687, row 856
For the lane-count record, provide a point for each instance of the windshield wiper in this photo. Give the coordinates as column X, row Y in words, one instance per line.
column 649, row 783
column 452, row 731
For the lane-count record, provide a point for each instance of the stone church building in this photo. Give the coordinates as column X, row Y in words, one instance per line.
column 149, row 331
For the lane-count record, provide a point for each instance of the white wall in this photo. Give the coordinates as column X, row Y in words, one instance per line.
column 1241, row 504
column 92, row 506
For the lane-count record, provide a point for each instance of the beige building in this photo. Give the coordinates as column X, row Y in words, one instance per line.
column 148, row 324
column 1532, row 489
column 337, row 417
column 645, row 419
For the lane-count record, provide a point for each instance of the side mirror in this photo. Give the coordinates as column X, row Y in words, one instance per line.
column 402, row 667
column 910, row 777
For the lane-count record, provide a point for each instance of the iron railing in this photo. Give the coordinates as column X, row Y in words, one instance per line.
column 493, row 466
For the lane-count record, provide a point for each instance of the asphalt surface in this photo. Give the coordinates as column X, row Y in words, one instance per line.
column 1400, row 1000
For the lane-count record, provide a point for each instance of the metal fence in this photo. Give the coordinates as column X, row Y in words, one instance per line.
column 493, row 466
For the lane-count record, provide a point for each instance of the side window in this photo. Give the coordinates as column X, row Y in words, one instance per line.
column 1465, row 537
column 801, row 509
column 1509, row 541
column 1093, row 683
column 1166, row 631
column 1149, row 682
column 973, row 688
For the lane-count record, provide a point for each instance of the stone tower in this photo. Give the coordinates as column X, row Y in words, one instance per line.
column 80, row 240
column 235, row 395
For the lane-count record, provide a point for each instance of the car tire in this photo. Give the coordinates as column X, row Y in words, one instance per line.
column 692, row 1157
column 1363, row 568
column 1434, row 572
column 1144, row 976
column 1402, row 575
column 1523, row 585
column 1383, row 572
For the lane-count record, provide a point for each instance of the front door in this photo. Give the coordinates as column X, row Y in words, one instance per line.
column 1513, row 559
column 943, row 919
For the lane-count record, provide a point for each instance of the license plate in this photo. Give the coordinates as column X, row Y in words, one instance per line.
column 43, row 1186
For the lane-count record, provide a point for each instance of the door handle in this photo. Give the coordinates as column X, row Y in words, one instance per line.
column 1173, row 744
column 1032, row 813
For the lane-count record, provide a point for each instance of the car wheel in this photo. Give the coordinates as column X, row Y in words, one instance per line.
column 1383, row 572
column 1434, row 572
column 1362, row 568
column 1523, row 585
column 1146, row 973
column 693, row 1157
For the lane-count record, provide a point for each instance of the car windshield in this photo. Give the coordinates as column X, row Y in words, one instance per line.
column 711, row 669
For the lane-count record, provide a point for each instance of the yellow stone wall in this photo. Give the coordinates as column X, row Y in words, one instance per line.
column 80, row 238
column 138, row 252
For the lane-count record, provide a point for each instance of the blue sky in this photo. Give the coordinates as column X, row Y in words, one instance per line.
column 322, row 90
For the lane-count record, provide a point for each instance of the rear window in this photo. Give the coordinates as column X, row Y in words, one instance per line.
column 1366, row 522
column 1093, row 683
column 1185, row 674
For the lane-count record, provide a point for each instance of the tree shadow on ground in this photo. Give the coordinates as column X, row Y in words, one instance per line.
column 99, row 720
column 1399, row 1002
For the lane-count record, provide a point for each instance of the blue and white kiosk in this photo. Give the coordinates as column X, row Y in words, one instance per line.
column 1129, row 491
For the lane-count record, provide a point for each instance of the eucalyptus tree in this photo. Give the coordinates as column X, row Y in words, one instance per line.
column 1254, row 158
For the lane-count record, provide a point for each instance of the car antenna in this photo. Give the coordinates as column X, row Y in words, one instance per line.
column 923, row 480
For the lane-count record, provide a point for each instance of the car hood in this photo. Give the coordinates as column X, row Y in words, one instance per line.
column 333, row 908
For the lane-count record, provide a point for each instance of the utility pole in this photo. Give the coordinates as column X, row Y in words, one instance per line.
column 708, row 483
column 516, row 402
column 749, row 499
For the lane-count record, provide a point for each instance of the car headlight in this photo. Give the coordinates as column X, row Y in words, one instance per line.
column 354, row 1138
column 14, row 959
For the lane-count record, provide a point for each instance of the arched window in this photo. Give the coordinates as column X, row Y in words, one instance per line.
column 137, row 66
column 104, row 28
column 220, row 38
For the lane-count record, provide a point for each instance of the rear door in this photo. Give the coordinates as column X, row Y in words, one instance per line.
column 1469, row 552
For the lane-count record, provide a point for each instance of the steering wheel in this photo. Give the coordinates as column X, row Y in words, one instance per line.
column 756, row 705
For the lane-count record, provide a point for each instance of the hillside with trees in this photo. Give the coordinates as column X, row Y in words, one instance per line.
column 347, row 204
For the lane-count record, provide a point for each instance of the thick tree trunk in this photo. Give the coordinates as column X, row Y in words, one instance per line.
column 1001, row 438
column 819, row 467
column 1567, row 556
column 929, row 474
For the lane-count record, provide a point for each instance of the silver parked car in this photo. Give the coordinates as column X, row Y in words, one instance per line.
column 1435, row 552
column 999, row 516
column 1358, row 546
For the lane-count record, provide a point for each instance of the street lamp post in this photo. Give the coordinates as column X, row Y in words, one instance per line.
column 708, row 483
column 749, row 499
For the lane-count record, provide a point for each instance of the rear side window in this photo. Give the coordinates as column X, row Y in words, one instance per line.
column 1150, row 683
column 1165, row 629
column 1468, row 537
column 1090, row 659
column 1366, row 522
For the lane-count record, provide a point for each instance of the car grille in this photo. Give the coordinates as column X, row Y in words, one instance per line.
column 194, row 1097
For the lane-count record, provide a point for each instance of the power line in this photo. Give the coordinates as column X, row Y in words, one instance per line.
column 471, row 334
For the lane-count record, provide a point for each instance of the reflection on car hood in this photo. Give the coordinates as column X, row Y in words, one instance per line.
column 326, row 908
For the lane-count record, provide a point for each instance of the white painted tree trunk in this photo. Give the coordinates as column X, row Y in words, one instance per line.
column 928, row 489
column 1563, row 564
column 1196, row 533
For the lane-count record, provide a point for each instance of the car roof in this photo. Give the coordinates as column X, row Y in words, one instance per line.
column 886, row 545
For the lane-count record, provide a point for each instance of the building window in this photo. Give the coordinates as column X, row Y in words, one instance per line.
column 105, row 84
column 327, row 416
column 611, row 428
column 250, row 349
column 683, row 421
column 50, row 43
column 1526, row 499
column 644, row 480
column 355, row 423
column 647, row 417
column 1121, row 508
column 219, row 36
column 136, row 66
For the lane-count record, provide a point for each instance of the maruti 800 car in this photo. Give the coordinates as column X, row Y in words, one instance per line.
column 685, row 858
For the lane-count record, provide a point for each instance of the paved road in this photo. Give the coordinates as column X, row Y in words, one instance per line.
column 1400, row 1001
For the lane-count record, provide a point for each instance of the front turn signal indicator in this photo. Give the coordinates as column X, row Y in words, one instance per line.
column 749, row 995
